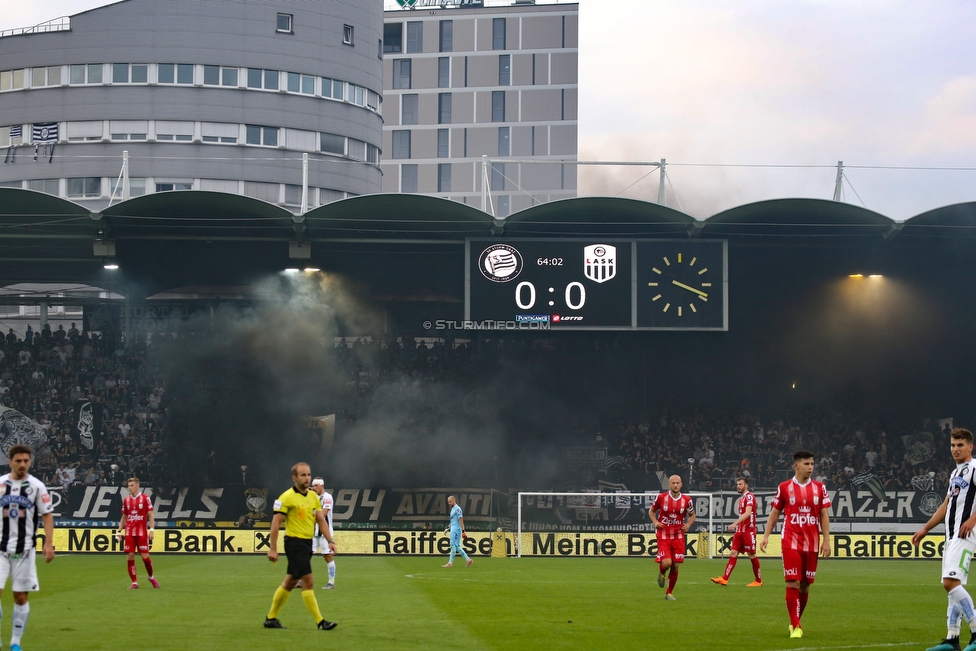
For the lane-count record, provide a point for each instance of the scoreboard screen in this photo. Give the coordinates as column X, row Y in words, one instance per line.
column 604, row 284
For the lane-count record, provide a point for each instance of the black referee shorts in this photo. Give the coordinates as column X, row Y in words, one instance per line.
column 299, row 554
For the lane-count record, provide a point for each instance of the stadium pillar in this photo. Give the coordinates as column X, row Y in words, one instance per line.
column 839, row 181
column 662, row 198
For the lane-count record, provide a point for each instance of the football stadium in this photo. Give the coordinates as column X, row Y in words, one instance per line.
column 526, row 389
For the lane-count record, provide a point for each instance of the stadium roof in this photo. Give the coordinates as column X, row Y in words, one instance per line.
column 190, row 238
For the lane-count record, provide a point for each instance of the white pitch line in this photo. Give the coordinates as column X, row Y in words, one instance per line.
column 851, row 646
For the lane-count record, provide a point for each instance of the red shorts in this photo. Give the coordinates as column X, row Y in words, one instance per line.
column 136, row 543
column 673, row 548
column 799, row 566
column 744, row 541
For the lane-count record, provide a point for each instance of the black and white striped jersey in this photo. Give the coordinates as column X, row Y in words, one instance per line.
column 962, row 498
column 22, row 503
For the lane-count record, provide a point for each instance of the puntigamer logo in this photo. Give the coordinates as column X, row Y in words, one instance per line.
column 406, row 3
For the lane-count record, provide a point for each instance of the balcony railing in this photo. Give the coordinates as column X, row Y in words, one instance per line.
column 62, row 24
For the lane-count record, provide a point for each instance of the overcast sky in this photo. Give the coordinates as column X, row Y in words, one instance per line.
column 735, row 86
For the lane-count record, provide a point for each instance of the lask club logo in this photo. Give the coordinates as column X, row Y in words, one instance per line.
column 600, row 262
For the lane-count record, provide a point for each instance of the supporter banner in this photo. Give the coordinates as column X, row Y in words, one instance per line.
column 18, row 429
column 609, row 512
column 159, row 316
column 437, row 543
column 354, row 508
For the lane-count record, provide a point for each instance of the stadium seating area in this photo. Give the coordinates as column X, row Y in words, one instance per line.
column 45, row 374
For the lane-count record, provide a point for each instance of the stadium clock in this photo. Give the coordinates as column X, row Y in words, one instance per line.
column 681, row 284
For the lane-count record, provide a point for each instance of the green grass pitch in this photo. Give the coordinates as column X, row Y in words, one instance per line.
column 217, row 603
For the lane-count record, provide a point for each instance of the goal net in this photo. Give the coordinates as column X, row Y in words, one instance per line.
column 603, row 524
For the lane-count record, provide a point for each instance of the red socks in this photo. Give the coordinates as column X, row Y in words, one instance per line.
column 804, row 596
column 755, row 569
column 672, row 578
column 148, row 563
column 730, row 567
column 132, row 570
column 793, row 606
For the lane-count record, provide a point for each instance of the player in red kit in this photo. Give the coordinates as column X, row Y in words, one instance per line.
column 672, row 514
column 744, row 539
column 137, row 510
column 806, row 515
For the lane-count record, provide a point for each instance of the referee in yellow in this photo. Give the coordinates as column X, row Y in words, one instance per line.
column 299, row 508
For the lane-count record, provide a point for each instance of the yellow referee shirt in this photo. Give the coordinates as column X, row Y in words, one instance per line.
column 299, row 511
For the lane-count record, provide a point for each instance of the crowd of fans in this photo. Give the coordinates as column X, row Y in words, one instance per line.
column 44, row 375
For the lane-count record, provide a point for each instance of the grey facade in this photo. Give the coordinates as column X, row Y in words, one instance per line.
column 203, row 94
column 472, row 81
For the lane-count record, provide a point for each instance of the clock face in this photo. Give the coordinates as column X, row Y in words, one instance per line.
column 681, row 284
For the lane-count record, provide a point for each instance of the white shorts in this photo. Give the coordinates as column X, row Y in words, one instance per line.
column 955, row 559
column 22, row 570
column 320, row 545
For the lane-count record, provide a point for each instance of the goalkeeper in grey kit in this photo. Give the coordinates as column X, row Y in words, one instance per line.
column 457, row 533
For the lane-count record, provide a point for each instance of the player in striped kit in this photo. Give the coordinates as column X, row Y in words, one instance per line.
column 958, row 512
column 805, row 506
column 137, row 510
column 24, row 501
column 675, row 515
column 320, row 542
column 744, row 539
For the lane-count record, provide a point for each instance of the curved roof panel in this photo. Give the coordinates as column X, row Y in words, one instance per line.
column 397, row 216
column 797, row 218
column 585, row 216
column 189, row 214
column 958, row 220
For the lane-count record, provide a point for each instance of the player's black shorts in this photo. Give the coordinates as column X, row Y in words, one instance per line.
column 299, row 554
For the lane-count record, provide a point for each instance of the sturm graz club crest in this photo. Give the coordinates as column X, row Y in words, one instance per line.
column 600, row 262
column 929, row 504
column 500, row 263
column 256, row 500
column 18, row 429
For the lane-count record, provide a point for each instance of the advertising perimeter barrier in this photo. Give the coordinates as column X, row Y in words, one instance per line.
column 479, row 543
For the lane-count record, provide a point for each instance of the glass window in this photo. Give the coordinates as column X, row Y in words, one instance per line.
column 219, row 132
column 228, row 77
column 254, row 77
column 47, row 186
column 76, row 74
column 88, row 186
column 444, row 72
column 253, row 135
column 333, row 144
column 444, row 102
column 211, row 75
column 166, row 73
column 443, row 143
column 54, row 76
column 415, row 37
column 169, row 187
column 443, row 177
column 184, row 73
column 293, row 195
column 498, row 33
column 504, row 69
column 504, row 141
column 308, row 85
column 409, row 109
column 497, row 176
column 408, row 178
column 94, row 73
column 336, row 89
column 504, row 206
column 284, row 23
column 446, row 36
column 120, row 73
column 379, row 49
column 140, row 73
column 401, row 73
column 347, row 34
column 393, row 37
column 401, row 144
column 38, row 77
column 137, row 187
column 294, row 82
column 270, row 135
column 372, row 154
column 357, row 149
column 497, row 106
column 271, row 79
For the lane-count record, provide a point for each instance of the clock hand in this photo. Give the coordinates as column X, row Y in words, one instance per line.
column 690, row 289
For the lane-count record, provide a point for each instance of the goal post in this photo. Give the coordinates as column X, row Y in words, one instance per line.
column 602, row 524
